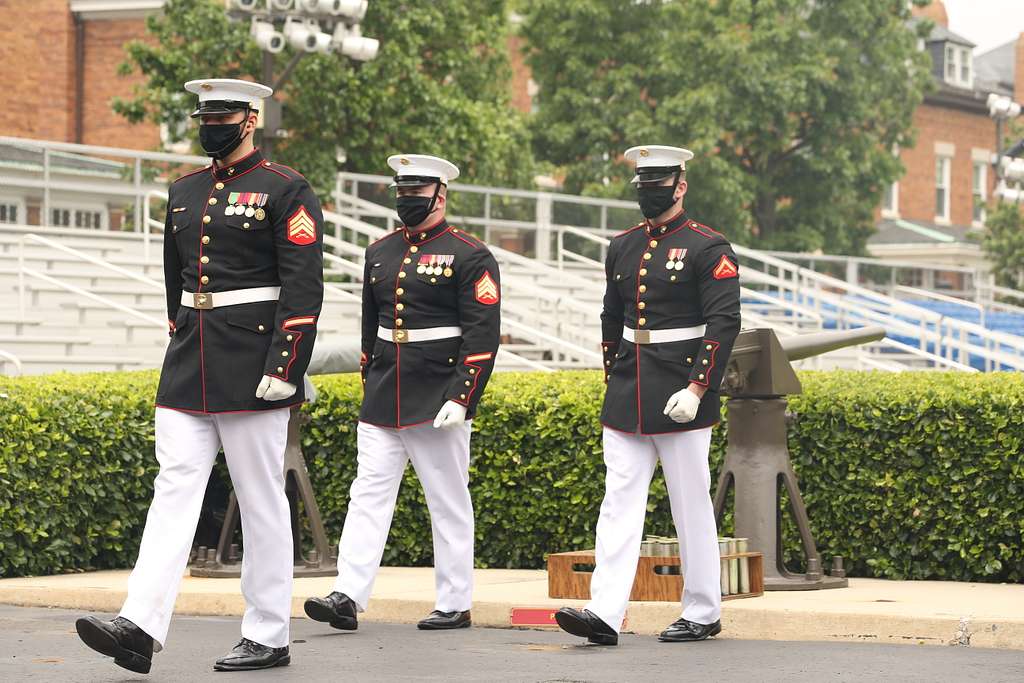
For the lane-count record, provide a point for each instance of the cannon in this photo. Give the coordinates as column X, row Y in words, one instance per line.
column 224, row 560
column 757, row 464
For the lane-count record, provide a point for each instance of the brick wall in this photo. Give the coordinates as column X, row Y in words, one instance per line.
column 104, row 52
column 37, row 69
column 936, row 11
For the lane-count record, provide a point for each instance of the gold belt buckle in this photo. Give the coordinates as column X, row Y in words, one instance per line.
column 641, row 336
column 399, row 336
column 202, row 301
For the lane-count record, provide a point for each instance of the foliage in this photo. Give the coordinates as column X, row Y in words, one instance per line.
column 908, row 476
column 1003, row 242
column 438, row 86
column 792, row 108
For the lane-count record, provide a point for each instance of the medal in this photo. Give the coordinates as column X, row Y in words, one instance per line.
column 229, row 210
column 448, row 272
column 421, row 269
column 260, row 214
column 669, row 265
column 679, row 265
column 250, row 212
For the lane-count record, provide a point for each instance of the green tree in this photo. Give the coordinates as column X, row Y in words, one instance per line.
column 1003, row 242
column 438, row 86
column 792, row 107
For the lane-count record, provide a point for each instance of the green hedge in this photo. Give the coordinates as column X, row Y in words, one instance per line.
column 914, row 475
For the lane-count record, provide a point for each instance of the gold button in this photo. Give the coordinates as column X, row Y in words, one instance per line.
column 607, row 362
column 468, row 383
column 700, row 376
column 213, row 200
column 689, row 359
column 399, row 291
column 647, row 256
column 672, row 278
column 643, row 271
column 288, row 338
column 204, row 259
column 206, row 239
column 402, row 274
column 280, row 369
column 231, row 171
column 245, row 225
column 261, row 328
column 708, row 347
column 407, row 260
column 433, row 280
column 654, row 243
column 205, row 279
column 284, row 354
column 219, row 186
column 398, row 322
column 642, row 288
column 455, row 229
column 472, row 371
column 618, row 276
column 462, row 396
column 413, row 249
column 400, row 307
column 642, row 321
column 207, row 219
column 373, row 279
column 704, row 362
column 451, row 360
column 641, row 305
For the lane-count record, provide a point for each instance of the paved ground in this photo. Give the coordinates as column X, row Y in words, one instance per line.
column 41, row 645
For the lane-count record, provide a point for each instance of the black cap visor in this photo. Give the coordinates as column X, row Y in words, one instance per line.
column 654, row 174
column 220, row 107
column 414, row 180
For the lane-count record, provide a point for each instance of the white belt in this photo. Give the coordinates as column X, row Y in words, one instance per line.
column 208, row 300
column 662, row 336
column 423, row 335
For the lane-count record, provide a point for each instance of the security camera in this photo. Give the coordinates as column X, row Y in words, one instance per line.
column 243, row 5
column 359, row 48
column 1008, row 194
column 355, row 9
column 1013, row 169
column 301, row 36
column 280, row 5
column 324, row 42
column 267, row 37
column 332, row 7
column 1000, row 107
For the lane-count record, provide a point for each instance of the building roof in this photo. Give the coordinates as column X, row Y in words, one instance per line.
column 942, row 34
column 901, row 231
column 997, row 66
column 29, row 158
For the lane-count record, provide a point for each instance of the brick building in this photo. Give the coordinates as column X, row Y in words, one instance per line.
column 929, row 215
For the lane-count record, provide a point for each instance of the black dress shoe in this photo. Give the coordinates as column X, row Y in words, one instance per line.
column 439, row 621
column 684, row 631
column 249, row 655
column 586, row 624
column 337, row 609
column 129, row 645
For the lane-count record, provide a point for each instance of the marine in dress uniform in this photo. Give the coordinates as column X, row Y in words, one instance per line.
column 243, row 267
column 671, row 314
column 430, row 330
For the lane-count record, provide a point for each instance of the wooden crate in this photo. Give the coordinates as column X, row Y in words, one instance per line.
column 565, row 581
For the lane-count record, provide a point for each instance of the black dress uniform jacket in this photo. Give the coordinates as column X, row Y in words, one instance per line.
column 217, row 357
column 439, row 277
column 648, row 290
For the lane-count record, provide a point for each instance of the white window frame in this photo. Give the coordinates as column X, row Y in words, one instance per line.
column 979, row 194
column 892, row 211
column 19, row 205
column 947, row 171
column 958, row 58
column 72, row 207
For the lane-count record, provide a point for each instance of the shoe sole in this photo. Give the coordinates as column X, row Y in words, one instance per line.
column 106, row 644
column 663, row 639
column 284, row 661
column 323, row 614
column 435, row 627
column 578, row 627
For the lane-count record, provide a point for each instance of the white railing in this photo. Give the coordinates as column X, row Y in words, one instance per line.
column 8, row 357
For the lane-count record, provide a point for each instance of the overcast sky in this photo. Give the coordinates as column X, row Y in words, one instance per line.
column 988, row 23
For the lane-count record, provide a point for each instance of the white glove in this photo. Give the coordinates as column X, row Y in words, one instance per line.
column 451, row 414
column 274, row 389
column 682, row 406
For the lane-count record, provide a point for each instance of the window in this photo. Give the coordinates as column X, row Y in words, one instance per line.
column 89, row 218
column 958, row 66
column 891, row 201
column 942, row 165
column 978, row 187
column 10, row 212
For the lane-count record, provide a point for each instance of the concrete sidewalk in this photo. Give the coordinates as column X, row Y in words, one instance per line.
column 870, row 610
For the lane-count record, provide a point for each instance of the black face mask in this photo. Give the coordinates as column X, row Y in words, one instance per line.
column 221, row 139
column 413, row 210
column 655, row 201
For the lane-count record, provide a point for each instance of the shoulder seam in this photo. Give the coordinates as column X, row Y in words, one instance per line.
column 191, row 173
column 629, row 230
column 476, row 243
column 382, row 238
column 275, row 163
column 699, row 228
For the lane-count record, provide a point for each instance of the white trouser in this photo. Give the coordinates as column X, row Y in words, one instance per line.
column 630, row 460
column 186, row 448
column 441, row 460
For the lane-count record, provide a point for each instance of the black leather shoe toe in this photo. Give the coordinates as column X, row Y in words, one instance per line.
column 441, row 621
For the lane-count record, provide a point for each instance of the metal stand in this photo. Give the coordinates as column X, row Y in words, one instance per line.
column 757, row 465
column 223, row 562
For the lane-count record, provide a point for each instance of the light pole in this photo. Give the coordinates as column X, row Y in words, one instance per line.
column 276, row 24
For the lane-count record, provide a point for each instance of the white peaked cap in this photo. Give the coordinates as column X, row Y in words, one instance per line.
column 420, row 169
column 228, row 90
column 657, row 157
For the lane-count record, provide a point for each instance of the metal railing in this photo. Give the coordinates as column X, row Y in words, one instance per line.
column 8, row 357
